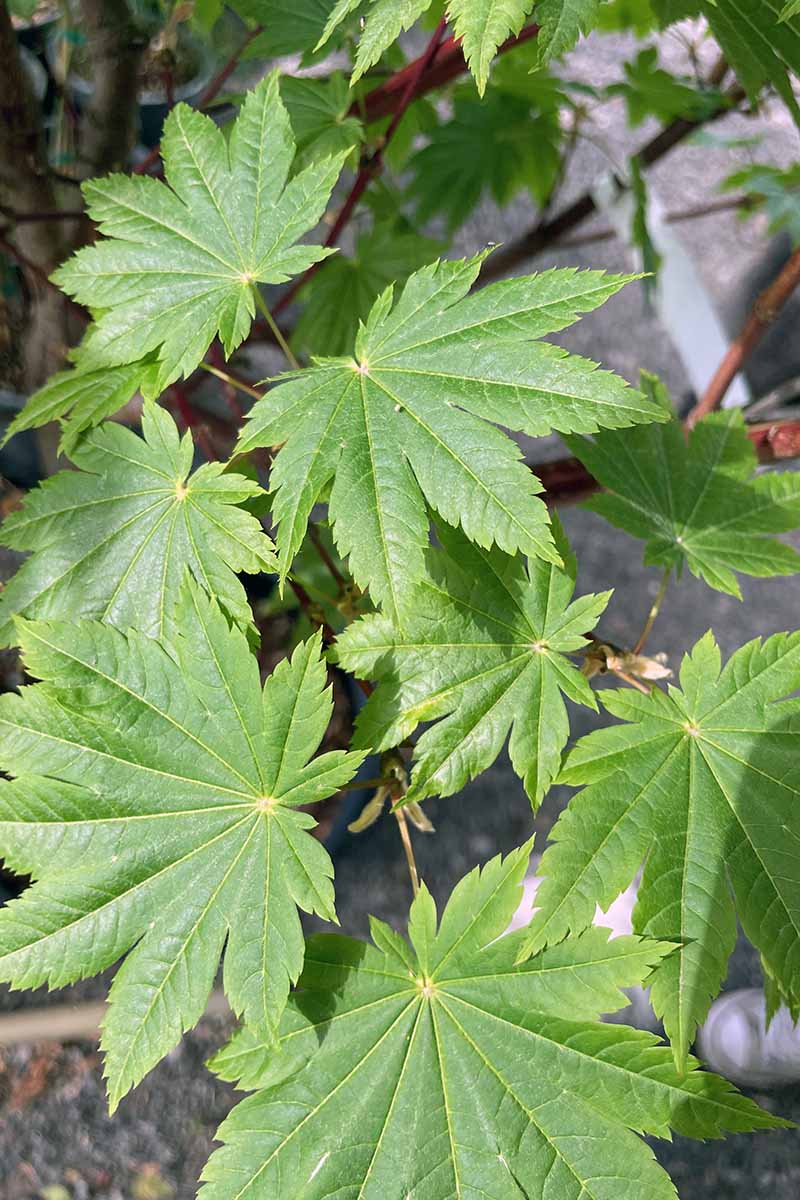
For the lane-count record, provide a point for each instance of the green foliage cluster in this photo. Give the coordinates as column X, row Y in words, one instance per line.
column 158, row 791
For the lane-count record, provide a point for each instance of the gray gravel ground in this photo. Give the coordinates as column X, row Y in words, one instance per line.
column 54, row 1129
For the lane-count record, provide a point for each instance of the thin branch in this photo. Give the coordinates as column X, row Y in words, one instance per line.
column 566, row 479
column 274, row 327
column 607, row 234
column 654, row 611
column 631, row 681
column 364, row 785
column 764, row 311
column 322, row 551
column 405, row 837
column 234, row 380
column 547, row 233
column 372, row 166
column 450, row 63
column 222, row 76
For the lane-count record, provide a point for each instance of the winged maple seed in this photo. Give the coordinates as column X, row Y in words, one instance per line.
column 600, row 657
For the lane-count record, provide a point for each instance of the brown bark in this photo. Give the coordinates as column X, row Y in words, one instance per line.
column 765, row 310
column 114, row 46
column 25, row 186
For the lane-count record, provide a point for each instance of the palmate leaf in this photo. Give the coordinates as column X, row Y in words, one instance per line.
column 318, row 110
column 441, row 1069
column 179, row 263
column 703, row 785
column 337, row 299
column 649, row 90
column 407, row 420
column 495, row 145
column 157, row 805
column 80, row 399
column 483, row 649
column 480, row 25
column 700, row 505
column 562, row 24
column 761, row 41
column 288, row 26
column 112, row 539
column 385, row 20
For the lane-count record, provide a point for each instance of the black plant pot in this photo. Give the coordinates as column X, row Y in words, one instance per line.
column 153, row 107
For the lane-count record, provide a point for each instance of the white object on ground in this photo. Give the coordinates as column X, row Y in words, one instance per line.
column 735, row 1042
column 618, row 919
column 679, row 295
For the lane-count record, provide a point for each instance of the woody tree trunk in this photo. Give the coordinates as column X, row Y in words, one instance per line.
column 26, row 187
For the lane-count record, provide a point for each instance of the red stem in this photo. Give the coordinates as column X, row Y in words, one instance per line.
column 764, row 312
column 567, row 479
column 449, row 65
column 374, row 163
column 194, row 423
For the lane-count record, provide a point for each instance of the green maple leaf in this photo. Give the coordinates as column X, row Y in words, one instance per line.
column 288, row 26
column 80, row 398
column 318, row 110
column 702, row 785
column 703, row 507
column 157, row 806
column 383, row 24
column 337, row 299
column 112, row 539
column 480, row 25
column 562, row 24
column 482, row 650
column 441, row 1068
column 483, row 25
column 649, row 90
column 407, row 419
column 496, row 145
column 761, row 41
column 180, row 264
